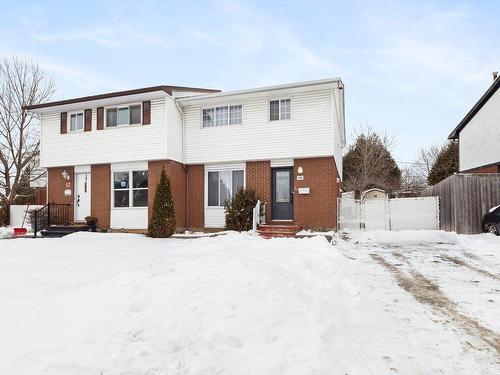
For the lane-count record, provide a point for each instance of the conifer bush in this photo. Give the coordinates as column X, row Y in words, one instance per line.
column 162, row 222
column 239, row 210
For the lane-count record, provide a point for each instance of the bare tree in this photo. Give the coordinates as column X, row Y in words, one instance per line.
column 412, row 179
column 368, row 162
column 425, row 160
column 22, row 83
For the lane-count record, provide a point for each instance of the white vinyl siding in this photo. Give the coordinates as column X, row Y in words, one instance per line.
column 174, row 134
column 109, row 145
column 480, row 139
column 309, row 132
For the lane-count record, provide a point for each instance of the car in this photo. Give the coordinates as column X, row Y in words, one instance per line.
column 491, row 221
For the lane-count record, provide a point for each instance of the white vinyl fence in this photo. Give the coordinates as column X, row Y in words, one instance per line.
column 18, row 214
column 388, row 214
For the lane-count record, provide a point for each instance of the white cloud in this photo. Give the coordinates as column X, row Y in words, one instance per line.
column 71, row 79
column 106, row 36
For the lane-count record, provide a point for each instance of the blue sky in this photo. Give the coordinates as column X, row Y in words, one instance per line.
column 413, row 68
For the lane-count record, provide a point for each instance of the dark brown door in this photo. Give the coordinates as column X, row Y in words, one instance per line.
column 282, row 191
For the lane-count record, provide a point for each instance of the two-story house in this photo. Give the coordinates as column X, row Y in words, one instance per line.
column 478, row 133
column 104, row 153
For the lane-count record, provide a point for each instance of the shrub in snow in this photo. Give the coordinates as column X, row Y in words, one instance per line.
column 239, row 210
column 162, row 222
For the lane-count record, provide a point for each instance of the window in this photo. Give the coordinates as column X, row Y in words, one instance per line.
column 223, row 185
column 125, row 115
column 126, row 195
column 280, row 109
column 76, row 121
column 224, row 115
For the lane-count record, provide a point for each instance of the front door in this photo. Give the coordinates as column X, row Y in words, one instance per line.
column 82, row 196
column 282, row 191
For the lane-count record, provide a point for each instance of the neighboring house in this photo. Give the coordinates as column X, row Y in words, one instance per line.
column 374, row 193
column 104, row 153
column 478, row 134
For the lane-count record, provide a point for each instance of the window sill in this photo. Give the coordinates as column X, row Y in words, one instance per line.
column 124, row 126
column 129, row 208
column 221, row 126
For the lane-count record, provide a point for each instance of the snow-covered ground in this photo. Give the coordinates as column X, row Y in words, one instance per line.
column 378, row 303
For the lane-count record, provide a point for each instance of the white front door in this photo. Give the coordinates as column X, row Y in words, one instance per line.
column 82, row 196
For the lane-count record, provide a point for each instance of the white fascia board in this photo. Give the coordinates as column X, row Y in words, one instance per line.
column 288, row 88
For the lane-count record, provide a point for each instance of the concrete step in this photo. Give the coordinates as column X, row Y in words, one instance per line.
column 277, row 234
column 63, row 230
column 279, row 228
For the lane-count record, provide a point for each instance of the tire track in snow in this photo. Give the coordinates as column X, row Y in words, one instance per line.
column 469, row 266
column 428, row 292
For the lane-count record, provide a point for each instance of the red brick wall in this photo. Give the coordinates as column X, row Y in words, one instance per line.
column 318, row 209
column 57, row 184
column 100, row 189
column 196, row 196
column 490, row 169
column 177, row 176
column 258, row 178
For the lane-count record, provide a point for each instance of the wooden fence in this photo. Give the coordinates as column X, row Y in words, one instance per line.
column 464, row 199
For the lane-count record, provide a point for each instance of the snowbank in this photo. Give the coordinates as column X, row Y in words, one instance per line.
column 382, row 236
column 93, row 303
column 485, row 242
column 6, row 232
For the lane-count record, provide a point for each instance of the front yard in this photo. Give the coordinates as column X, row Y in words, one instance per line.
column 378, row 303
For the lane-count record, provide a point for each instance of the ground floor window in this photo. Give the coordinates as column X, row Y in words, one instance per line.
column 130, row 189
column 223, row 184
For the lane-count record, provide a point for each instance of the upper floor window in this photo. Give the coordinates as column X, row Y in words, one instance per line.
column 279, row 109
column 224, row 115
column 76, row 121
column 123, row 115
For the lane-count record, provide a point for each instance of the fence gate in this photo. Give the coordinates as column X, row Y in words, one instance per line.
column 388, row 214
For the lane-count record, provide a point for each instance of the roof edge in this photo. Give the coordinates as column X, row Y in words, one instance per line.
column 165, row 88
column 263, row 89
column 476, row 108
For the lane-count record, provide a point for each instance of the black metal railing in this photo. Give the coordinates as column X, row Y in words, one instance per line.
column 50, row 214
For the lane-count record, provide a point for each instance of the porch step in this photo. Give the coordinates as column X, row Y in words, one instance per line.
column 270, row 231
column 63, row 230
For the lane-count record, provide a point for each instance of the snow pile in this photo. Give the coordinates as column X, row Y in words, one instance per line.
column 485, row 242
column 6, row 232
column 382, row 236
column 95, row 303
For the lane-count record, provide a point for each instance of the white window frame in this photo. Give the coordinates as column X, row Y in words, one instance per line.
column 229, row 105
column 279, row 109
column 76, row 113
column 117, row 107
column 130, row 189
column 207, row 170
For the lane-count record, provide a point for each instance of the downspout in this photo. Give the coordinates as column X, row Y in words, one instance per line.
column 186, row 201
